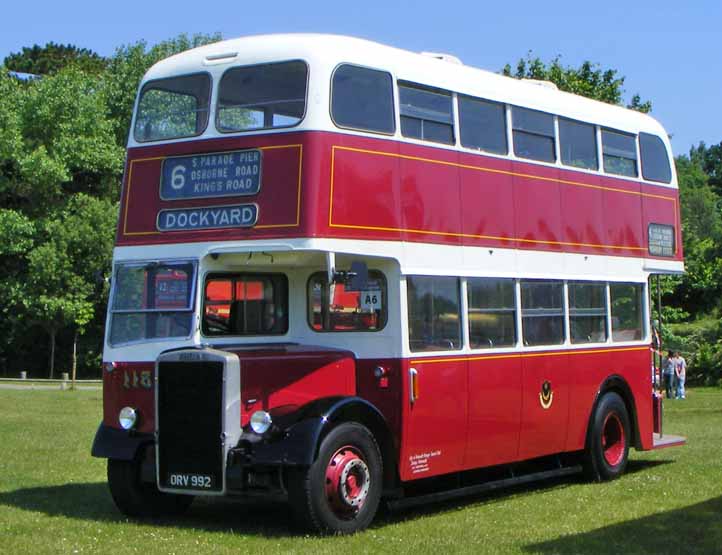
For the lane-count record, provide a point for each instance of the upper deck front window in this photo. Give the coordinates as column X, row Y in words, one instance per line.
column 262, row 97
column 173, row 108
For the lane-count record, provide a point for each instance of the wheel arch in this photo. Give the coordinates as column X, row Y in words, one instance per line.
column 617, row 384
column 356, row 409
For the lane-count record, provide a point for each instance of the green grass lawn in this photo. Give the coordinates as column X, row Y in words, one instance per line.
column 53, row 499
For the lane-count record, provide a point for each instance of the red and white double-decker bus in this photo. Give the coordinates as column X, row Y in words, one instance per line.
column 346, row 272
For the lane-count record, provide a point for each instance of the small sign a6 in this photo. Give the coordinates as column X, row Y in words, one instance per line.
column 371, row 300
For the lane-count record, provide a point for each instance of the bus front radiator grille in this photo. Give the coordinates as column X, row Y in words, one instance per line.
column 189, row 421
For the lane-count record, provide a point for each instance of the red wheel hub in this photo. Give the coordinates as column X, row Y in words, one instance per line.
column 347, row 482
column 613, row 440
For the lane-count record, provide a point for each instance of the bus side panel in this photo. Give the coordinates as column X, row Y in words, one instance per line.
column 581, row 212
column 487, row 202
column 544, row 418
column 384, row 392
column 591, row 369
column 537, row 207
column 494, row 411
column 623, row 216
column 434, row 436
column 364, row 186
column 430, row 198
column 663, row 209
column 636, row 367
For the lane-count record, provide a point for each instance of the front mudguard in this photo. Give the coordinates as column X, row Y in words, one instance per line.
column 122, row 445
column 298, row 443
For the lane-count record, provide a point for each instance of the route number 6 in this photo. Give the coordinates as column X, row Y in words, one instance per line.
column 178, row 178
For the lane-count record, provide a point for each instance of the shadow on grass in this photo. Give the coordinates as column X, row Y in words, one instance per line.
column 92, row 501
column 693, row 529
column 497, row 496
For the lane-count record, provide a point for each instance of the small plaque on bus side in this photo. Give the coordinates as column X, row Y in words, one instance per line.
column 223, row 174
column 661, row 240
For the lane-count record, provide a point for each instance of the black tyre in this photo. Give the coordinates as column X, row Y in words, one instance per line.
column 138, row 499
column 608, row 439
column 340, row 492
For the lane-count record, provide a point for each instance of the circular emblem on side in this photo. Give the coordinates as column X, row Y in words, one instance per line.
column 546, row 395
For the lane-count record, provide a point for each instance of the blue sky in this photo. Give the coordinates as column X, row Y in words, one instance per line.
column 668, row 51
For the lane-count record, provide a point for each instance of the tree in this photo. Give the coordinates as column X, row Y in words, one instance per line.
column 699, row 289
column 709, row 160
column 75, row 248
column 587, row 80
column 52, row 58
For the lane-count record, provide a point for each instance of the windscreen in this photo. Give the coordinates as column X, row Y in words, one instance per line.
column 152, row 301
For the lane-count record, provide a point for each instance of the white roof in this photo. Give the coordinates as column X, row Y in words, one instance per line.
column 325, row 52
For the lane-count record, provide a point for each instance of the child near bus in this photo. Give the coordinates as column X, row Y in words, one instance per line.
column 680, row 370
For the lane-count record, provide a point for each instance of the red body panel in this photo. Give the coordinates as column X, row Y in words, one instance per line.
column 544, row 430
column 130, row 384
column 500, row 396
column 495, row 391
column 435, row 424
column 321, row 184
column 292, row 376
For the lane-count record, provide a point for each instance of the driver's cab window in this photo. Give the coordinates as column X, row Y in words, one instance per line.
column 245, row 304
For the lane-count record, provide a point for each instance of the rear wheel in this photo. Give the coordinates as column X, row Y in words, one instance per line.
column 608, row 442
column 140, row 499
column 340, row 492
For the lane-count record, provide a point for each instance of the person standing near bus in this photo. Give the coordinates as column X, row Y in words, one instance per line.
column 669, row 374
column 680, row 370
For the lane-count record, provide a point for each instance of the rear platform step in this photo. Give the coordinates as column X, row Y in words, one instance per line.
column 480, row 488
column 667, row 440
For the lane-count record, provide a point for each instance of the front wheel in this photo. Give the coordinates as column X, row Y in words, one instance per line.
column 608, row 442
column 340, row 492
column 135, row 498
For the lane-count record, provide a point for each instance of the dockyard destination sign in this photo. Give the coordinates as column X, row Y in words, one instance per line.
column 223, row 174
column 207, row 217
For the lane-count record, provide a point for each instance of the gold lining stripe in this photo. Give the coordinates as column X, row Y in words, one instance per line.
column 472, row 358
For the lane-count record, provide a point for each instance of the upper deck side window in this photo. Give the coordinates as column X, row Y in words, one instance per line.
column 363, row 99
column 655, row 162
column 578, row 144
column 426, row 114
column 262, row 96
column 173, row 108
column 533, row 134
column 620, row 153
column 482, row 124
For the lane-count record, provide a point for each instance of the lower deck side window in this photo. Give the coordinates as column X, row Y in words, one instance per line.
column 587, row 312
column 542, row 312
column 627, row 311
column 434, row 315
